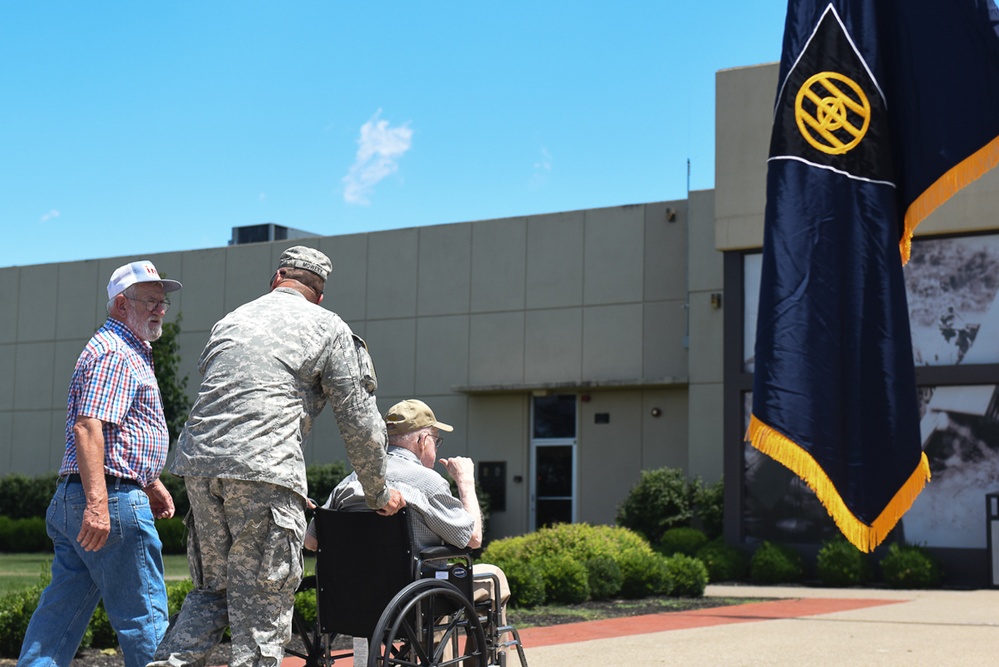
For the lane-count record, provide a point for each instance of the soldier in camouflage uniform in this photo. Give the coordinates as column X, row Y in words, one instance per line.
column 269, row 368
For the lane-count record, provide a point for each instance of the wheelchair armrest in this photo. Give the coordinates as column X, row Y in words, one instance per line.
column 444, row 551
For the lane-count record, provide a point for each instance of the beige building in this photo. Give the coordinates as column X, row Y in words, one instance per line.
column 609, row 309
column 571, row 350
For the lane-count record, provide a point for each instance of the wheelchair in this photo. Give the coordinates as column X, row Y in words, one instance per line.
column 416, row 609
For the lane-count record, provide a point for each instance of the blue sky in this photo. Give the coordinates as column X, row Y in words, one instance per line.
column 129, row 128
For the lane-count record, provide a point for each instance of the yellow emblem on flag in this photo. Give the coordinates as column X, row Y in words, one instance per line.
column 832, row 112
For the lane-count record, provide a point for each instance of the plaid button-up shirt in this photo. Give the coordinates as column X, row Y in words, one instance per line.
column 114, row 382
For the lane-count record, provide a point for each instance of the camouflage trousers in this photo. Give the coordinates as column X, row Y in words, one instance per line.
column 244, row 549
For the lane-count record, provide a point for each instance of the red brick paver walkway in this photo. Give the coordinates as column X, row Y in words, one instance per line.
column 683, row 620
column 680, row 620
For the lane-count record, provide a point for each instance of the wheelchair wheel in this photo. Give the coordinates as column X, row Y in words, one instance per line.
column 428, row 623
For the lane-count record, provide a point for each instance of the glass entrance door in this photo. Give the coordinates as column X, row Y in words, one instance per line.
column 553, row 454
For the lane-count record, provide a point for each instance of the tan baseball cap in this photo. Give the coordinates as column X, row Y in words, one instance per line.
column 412, row 415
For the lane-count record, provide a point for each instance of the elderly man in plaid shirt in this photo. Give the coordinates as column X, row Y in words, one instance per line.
column 101, row 517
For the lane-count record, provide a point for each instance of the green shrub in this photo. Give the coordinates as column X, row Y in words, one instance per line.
column 839, row 563
column 323, row 478
column 178, row 491
column 604, row 577
column 775, row 564
column 173, row 535
column 642, row 570
column 644, row 573
column 910, row 566
column 683, row 540
column 176, row 592
column 22, row 497
column 527, row 586
column 661, row 500
column 101, row 632
column 5, row 531
column 709, row 506
column 724, row 562
column 25, row 535
column 688, row 576
column 16, row 609
column 305, row 605
column 565, row 579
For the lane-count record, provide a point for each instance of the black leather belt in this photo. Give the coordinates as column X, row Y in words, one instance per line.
column 108, row 479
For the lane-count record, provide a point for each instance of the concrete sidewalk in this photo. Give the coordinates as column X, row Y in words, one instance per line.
column 805, row 627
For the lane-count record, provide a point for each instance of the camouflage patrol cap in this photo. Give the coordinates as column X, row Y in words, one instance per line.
column 310, row 259
column 412, row 415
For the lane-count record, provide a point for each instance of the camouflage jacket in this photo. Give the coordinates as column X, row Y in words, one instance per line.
column 269, row 368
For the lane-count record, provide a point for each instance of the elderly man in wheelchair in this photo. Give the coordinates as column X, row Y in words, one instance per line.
column 404, row 586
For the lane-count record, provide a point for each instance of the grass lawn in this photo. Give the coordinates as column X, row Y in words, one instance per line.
column 23, row 570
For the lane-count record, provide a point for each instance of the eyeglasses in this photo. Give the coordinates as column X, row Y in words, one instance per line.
column 437, row 440
column 152, row 304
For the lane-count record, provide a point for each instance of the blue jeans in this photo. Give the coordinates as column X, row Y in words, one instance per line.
column 127, row 573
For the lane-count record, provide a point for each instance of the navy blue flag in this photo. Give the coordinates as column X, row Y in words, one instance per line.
column 884, row 109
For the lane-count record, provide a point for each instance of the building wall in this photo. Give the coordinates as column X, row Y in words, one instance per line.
column 612, row 304
column 743, row 117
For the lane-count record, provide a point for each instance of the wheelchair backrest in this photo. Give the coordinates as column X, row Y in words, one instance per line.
column 363, row 560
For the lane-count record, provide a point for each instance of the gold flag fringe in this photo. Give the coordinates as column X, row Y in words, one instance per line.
column 957, row 177
column 863, row 536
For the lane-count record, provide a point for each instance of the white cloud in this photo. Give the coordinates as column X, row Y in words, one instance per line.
column 50, row 215
column 542, row 167
column 379, row 149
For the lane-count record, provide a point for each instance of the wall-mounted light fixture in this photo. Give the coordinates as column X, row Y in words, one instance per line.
column 670, row 215
column 716, row 300
column 656, row 412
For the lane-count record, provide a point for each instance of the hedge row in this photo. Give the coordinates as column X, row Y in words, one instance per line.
column 572, row 563
column 23, row 497
column 30, row 536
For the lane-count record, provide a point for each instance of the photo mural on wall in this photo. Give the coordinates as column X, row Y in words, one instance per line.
column 952, row 287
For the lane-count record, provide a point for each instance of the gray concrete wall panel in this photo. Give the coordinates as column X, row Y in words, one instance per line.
column 664, row 438
column 75, row 314
column 392, row 345
column 499, row 263
column 203, row 301
column 445, row 267
column 497, row 431
column 553, row 350
column 665, row 250
column 441, row 354
column 664, row 327
column 36, row 319
column 609, row 454
column 33, row 375
column 555, row 260
column 8, row 364
column 613, row 255
column 744, row 102
column 496, row 349
column 9, row 298
column 612, row 342
column 392, row 273
column 32, row 450
column 346, row 287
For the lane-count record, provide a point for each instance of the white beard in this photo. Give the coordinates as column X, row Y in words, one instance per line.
column 140, row 325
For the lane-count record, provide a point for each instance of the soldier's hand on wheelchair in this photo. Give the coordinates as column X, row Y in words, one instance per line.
column 396, row 502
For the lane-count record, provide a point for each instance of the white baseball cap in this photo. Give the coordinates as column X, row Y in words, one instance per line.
column 141, row 271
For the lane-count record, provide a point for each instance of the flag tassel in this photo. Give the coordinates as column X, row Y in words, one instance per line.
column 863, row 536
column 954, row 179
